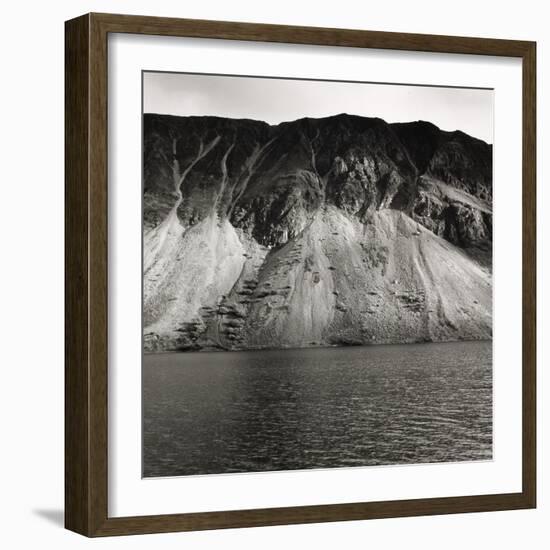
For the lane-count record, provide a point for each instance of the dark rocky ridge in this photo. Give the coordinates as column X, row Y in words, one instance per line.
column 261, row 209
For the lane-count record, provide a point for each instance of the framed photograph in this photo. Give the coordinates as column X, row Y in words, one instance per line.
column 300, row 275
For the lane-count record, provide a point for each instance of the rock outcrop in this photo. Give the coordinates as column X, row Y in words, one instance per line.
column 336, row 231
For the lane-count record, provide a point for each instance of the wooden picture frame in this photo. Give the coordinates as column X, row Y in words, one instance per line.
column 86, row 294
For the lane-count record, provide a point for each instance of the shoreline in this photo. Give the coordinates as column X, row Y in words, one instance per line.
column 319, row 347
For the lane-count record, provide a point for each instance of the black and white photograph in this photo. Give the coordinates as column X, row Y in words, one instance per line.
column 317, row 274
column 277, row 279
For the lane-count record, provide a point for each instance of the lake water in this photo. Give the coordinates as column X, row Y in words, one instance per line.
column 252, row 411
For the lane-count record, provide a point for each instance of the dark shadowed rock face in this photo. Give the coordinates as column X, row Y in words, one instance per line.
column 245, row 212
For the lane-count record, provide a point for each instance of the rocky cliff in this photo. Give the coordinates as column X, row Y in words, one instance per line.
column 335, row 231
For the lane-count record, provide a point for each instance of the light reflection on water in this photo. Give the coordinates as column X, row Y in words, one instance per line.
column 316, row 408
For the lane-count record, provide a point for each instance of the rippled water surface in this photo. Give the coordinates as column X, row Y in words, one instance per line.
column 316, row 408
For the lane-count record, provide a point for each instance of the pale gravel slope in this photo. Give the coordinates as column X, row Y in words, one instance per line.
column 338, row 282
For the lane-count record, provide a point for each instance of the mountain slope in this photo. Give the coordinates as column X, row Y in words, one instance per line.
column 344, row 230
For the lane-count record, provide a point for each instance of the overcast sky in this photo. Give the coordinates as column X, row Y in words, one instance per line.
column 277, row 100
